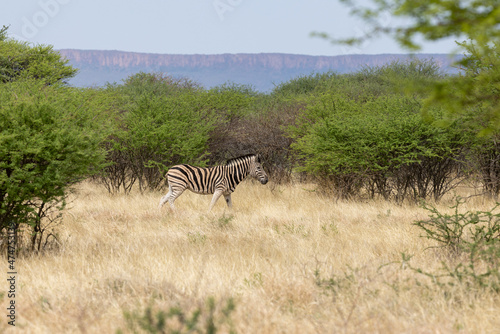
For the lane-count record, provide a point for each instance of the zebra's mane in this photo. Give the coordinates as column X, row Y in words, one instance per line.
column 243, row 157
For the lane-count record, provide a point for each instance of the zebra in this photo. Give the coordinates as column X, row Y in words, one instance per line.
column 218, row 180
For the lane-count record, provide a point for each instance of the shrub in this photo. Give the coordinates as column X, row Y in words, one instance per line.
column 229, row 101
column 49, row 139
column 260, row 132
column 164, row 121
column 365, row 84
column 381, row 146
column 485, row 161
column 157, row 132
column 20, row 60
column 157, row 83
column 473, row 237
column 303, row 85
column 160, row 122
column 208, row 319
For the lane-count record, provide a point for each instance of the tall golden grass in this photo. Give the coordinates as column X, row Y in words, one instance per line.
column 292, row 260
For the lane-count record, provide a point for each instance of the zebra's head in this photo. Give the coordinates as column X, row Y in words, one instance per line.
column 257, row 171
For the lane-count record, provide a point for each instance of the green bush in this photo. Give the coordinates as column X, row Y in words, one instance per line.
column 232, row 104
column 49, row 139
column 230, row 100
column 472, row 239
column 20, row 60
column 365, row 84
column 381, row 146
column 209, row 319
column 163, row 131
column 484, row 161
column 232, row 120
column 304, row 85
column 157, row 83
column 162, row 121
column 159, row 122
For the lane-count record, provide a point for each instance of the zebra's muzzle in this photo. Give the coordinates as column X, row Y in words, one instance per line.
column 263, row 181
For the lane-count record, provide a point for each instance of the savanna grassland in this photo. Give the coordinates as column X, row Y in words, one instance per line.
column 337, row 242
column 286, row 260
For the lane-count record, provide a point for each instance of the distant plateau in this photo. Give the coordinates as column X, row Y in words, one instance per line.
column 262, row 71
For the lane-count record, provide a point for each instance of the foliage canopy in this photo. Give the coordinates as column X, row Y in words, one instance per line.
column 475, row 23
column 21, row 60
column 49, row 140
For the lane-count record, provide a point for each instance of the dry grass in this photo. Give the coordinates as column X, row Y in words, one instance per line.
column 293, row 261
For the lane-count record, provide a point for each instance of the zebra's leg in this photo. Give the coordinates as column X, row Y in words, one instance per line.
column 165, row 198
column 216, row 196
column 228, row 201
column 174, row 196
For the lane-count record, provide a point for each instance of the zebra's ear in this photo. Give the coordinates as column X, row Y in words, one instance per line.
column 258, row 158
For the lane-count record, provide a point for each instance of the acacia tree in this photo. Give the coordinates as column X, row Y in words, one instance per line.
column 474, row 22
column 21, row 60
column 472, row 97
column 49, row 140
column 433, row 20
column 50, row 136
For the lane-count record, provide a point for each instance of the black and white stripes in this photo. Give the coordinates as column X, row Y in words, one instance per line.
column 218, row 180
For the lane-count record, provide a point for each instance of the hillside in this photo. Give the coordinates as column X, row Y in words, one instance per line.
column 262, row 71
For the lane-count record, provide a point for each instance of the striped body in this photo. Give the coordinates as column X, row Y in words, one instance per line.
column 218, row 180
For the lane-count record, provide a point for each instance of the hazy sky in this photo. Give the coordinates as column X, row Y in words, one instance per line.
column 193, row 26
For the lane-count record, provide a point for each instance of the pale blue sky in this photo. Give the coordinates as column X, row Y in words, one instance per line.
column 193, row 26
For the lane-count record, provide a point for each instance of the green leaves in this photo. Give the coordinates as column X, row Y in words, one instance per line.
column 49, row 139
column 473, row 96
column 164, row 121
column 20, row 60
column 376, row 140
column 472, row 238
column 474, row 93
column 169, row 127
column 356, row 136
column 430, row 19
